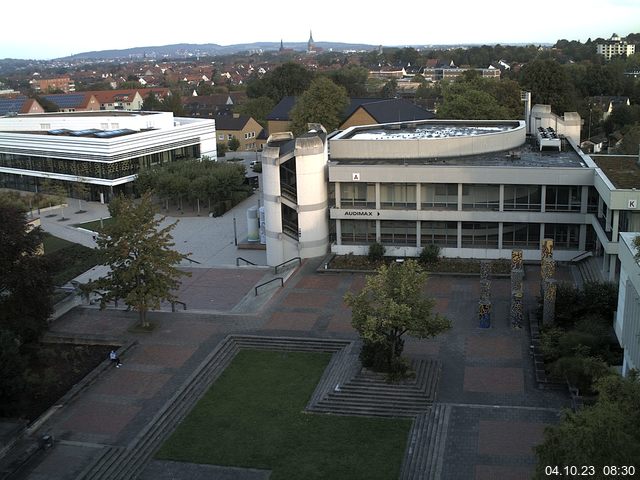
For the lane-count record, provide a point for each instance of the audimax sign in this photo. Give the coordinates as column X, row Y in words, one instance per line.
column 361, row 213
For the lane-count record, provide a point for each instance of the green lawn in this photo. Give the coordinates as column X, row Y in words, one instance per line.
column 252, row 417
column 68, row 259
column 95, row 224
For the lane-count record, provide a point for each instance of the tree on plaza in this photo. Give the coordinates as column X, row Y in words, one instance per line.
column 25, row 282
column 140, row 255
column 324, row 102
column 393, row 304
column 601, row 435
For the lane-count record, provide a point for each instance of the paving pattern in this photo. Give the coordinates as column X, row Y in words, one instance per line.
column 487, row 416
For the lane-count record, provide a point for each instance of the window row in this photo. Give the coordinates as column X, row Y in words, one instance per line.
column 444, row 196
column 473, row 234
column 83, row 168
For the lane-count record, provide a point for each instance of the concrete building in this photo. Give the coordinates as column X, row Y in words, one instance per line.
column 295, row 196
column 615, row 46
column 627, row 319
column 104, row 149
column 477, row 189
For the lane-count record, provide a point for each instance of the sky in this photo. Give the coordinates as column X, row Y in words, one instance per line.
column 43, row 29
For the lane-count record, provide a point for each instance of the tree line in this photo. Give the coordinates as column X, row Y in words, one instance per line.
column 216, row 186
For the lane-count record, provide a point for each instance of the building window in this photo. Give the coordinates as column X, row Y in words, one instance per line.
column 439, row 196
column 398, row 232
column 565, row 237
column 221, row 136
column 521, row 235
column 563, row 198
column 358, row 232
column 443, row 234
column 522, row 198
column 480, row 197
column 357, row 195
column 399, row 196
column 479, row 235
column 289, row 221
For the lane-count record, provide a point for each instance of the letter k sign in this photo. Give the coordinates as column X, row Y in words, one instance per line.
column 632, row 204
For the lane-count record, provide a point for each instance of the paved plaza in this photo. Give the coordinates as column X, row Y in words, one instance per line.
column 497, row 413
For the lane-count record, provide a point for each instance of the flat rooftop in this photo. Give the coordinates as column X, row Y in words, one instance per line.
column 440, row 129
column 526, row 155
column 622, row 170
column 90, row 113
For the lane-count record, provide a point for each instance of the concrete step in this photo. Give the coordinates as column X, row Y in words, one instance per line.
column 425, row 450
column 366, row 411
column 124, row 462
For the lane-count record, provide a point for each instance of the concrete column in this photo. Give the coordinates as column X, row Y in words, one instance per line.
column 612, row 267
column 600, row 203
column 543, row 202
column 459, row 235
column 338, row 194
column 615, row 225
column 607, row 223
column 338, row 232
column 500, row 231
column 584, row 199
column 541, row 234
column 378, row 233
column 378, row 199
column 418, row 197
column 582, row 239
column 501, row 196
column 459, row 197
column 418, row 238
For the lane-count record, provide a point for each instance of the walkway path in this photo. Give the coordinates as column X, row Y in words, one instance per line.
column 492, row 412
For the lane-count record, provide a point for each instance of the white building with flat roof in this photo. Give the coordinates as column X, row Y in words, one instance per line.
column 103, row 149
column 476, row 189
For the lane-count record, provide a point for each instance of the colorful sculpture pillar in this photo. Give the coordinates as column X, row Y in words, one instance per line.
column 484, row 305
column 517, row 290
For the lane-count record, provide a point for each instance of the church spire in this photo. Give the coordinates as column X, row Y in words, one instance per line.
column 311, row 44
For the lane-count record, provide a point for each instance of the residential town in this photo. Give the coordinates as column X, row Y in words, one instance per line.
column 308, row 260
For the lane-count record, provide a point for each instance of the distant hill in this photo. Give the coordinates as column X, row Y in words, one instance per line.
column 192, row 49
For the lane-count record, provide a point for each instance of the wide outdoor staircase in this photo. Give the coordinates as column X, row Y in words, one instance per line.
column 117, row 462
column 358, row 391
column 424, row 455
column 590, row 269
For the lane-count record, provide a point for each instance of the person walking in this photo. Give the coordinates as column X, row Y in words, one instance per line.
column 113, row 356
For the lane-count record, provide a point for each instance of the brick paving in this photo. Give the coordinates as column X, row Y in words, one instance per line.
column 497, row 413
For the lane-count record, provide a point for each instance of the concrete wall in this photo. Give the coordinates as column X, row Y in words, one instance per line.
column 311, row 177
column 568, row 125
column 627, row 319
column 343, row 147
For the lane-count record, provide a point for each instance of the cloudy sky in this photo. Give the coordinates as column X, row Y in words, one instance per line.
column 44, row 29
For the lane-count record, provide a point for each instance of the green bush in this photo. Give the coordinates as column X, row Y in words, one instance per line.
column 376, row 252
column 581, row 372
column 429, row 255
